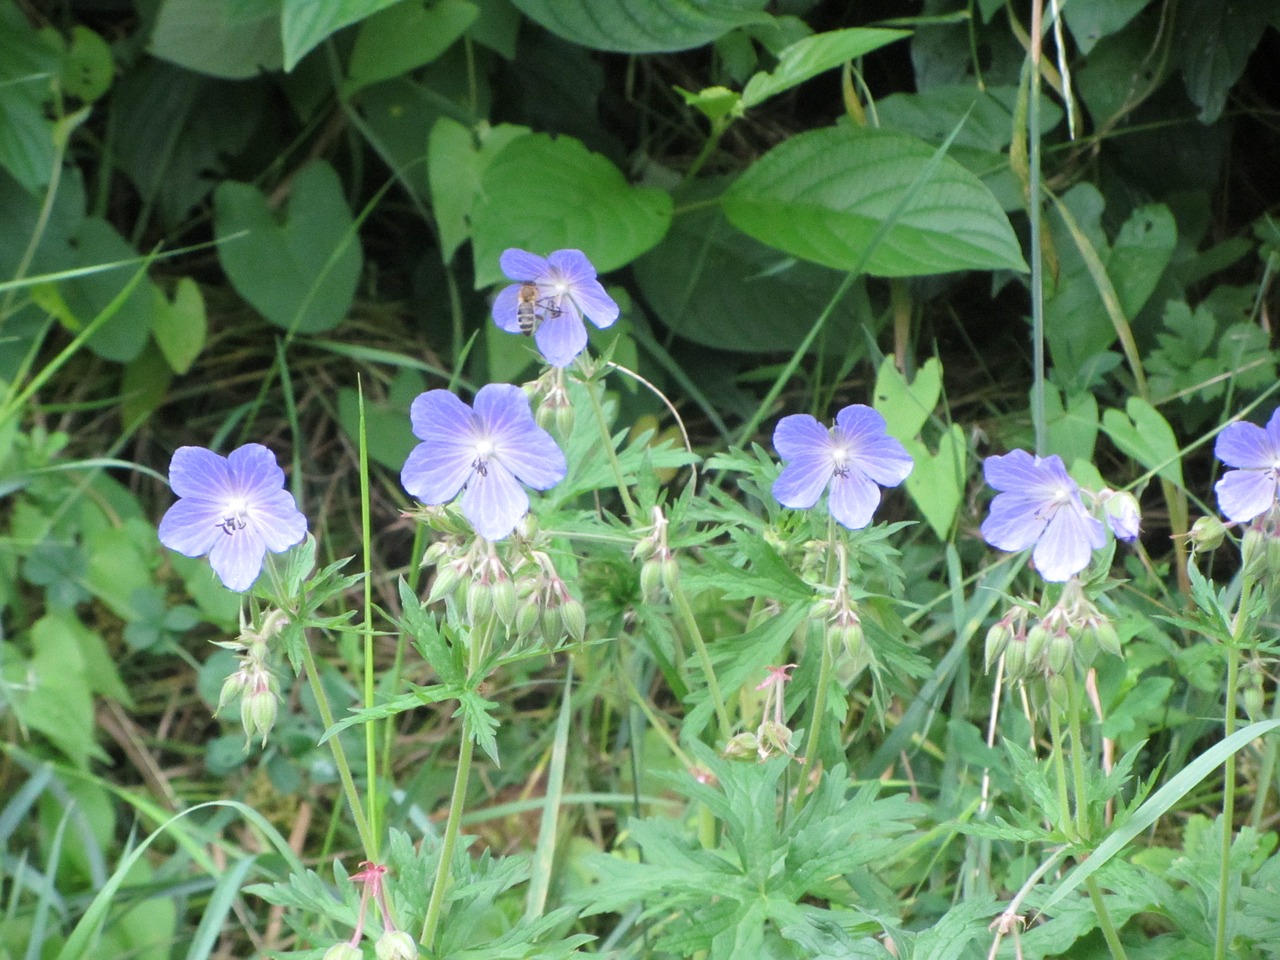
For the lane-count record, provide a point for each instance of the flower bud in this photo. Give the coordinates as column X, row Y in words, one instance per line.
column 527, row 617
column 1058, row 692
column 1123, row 515
column 504, row 600
column 1253, row 552
column 232, row 687
column 774, row 738
column 446, row 582
column 998, row 638
column 479, row 602
column 1206, row 534
column 1058, row 652
column 552, row 625
column 574, row 618
column 258, row 710
column 670, row 573
column 1015, row 658
column 1105, row 636
column 1254, row 698
column 650, row 580
column 564, row 420
column 396, row 945
column 1037, row 640
column 436, row 552
column 343, row 951
column 644, row 549
column 742, row 746
column 1273, row 555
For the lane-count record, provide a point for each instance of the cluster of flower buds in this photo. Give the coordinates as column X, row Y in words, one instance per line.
column 253, row 683
column 393, row 944
column 772, row 737
column 1070, row 633
column 549, row 397
column 544, row 606
column 842, row 627
column 470, row 571
column 659, row 569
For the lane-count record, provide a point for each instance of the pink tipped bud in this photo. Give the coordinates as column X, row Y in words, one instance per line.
column 396, row 945
column 343, row 951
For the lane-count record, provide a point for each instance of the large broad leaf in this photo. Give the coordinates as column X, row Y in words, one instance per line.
column 1214, row 41
column 814, row 55
column 209, row 36
column 543, row 193
column 404, row 37
column 455, row 164
column 301, row 273
column 1091, row 20
column 27, row 61
column 642, row 26
column 829, row 195
column 304, row 23
column 1142, row 433
column 716, row 286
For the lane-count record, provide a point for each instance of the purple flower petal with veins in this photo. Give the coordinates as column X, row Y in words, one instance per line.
column 1038, row 505
column 567, row 291
column 233, row 508
column 1249, row 490
column 849, row 459
column 483, row 453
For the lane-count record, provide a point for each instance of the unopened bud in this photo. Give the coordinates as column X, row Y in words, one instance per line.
column 564, row 420
column 1058, row 691
column 650, row 579
column 574, row 618
column 670, row 573
column 504, row 600
column 446, row 582
column 1123, row 515
column 1037, row 640
column 1206, row 534
column 774, row 738
column 552, row 625
column 343, row 951
column 527, row 617
column 436, row 552
column 998, row 638
column 1105, row 636
column 1253, row 553
column 742, row 746
column 1273, row 555
column 1015, row 658
column 1254, row 697
column 1058, row 652
column 479, row 602
column 258, row 711
column 232, row 687
column 396, row 945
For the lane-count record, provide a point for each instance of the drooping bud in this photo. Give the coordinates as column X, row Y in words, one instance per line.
column 1206, row 534
column 1253, row 553
column 527, row 617
column 774, row 738
column 479, row 602
column 343, row 951
column 504, row 600
column 650, row 580
column 998, row 638
column 574, row 618
column 1253, row 696
column 396, row 945
column 1058, row 651
column 741, row 746
column 1123, row 515
column 1015, row 658
column 446, row 582
column 1105, row 636
column 1037, row 641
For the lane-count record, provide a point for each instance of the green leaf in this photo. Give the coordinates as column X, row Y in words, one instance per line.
column 1071, row 431
column 180, row 327
column 404, row 37
column 709, row 283
column 1091, row 20
column 1213, row 41
column 387, row 427
column 906, row 408
column 305, row 23
column 1146, row 436
column 642, row 26
column 300, row 274
column 937, row 481
column 207, row 36
column 455, row 166
column 543, row 193
column 811, row 56
column 27, row 62
column 827, row 195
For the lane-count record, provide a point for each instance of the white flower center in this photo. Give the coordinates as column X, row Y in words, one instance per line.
column 485, row 450
column 841, row 456
column 234, row 515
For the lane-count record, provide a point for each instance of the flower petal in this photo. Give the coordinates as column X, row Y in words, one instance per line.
column 197, row 472
column 878, row 455
column 504, row 309
column 1245, row 444
column 1067, row 544
column 434, row 479
column 1244, row 494
column 190, row 526
column 1020, row 472
column 803, row 480
column 800, row 435
column 561, row 338
column 521, row 265
column 494, row 502
column 853, row 499
column 254, row 472
column 278, row 521
column 440, row 417
column 237, row 558
column 1014, row 523
column 519, row 443
column 573, row 267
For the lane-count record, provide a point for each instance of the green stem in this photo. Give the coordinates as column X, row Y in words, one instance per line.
column 1233, row 682
column 704, row 658
column 461, row 780
column 612, row 454
column 1077, row 755
column 370, row 729
column 339, row 754
column 1109, row 932
column 815, row 723
column 1060, row 768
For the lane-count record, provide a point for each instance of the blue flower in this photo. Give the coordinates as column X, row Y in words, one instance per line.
column 1249, row 490
column 233, row 508
column 481, row 453
column 1038, row 505
column 849, row 458
column 567, row 291
column 1123, row 514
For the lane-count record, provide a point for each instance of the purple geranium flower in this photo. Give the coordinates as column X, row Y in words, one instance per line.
column 567, row 291
column 1039, row 505
column 851, row 458
column 1249, row 490
column 482, row 453
column 233, row 508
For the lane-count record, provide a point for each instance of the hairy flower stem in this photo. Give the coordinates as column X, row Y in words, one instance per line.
column 815, row 723
column 1060, row 770
column 690, row 622
column 1109, row 932
column 1077, row 755
column 612, row 454
column 461, row 780
column 1229, row 766
column 339, row 754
